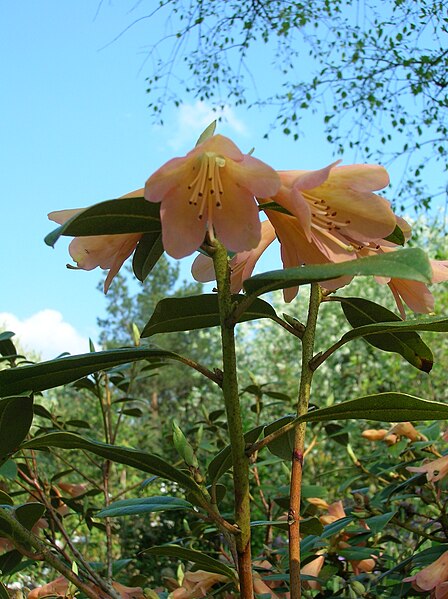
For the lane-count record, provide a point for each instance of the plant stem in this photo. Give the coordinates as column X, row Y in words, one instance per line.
column 234, row 422
column 22, row 537
column 299, row 442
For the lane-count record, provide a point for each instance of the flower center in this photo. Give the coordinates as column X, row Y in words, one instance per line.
column 206, row 187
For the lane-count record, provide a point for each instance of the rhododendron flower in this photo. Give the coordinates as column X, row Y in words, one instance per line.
column 374, row 434
column 241, row 265
column 406, row 429
column 435, row 470
column 212, row 189
column 336, row 207
column 197, row 584
column 312, row 569
column 59, row 587
column 109, row 252
column 432, row 578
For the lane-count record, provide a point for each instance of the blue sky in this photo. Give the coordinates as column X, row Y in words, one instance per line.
column 76, row 130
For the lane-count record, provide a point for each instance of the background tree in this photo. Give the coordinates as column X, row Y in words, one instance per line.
column 376, row 73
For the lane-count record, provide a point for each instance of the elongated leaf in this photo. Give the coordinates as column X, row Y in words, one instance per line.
column 144, row 505
column 3, row 591
column 381, row 407
column 149, row 251
column 208, row 132
column 197, row 312
column 360, row 312
column 9, row 562
column 16, row 416
column 124, row 215
column 222, row 462
column 203, row 561
column 5, row 499
column 283, row 446
column 437, row 324
column 146, row 462
column 61, row 371
column 405, row 264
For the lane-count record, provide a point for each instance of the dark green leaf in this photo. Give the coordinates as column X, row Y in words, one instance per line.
column 274, row 206
column 29, row 513
column 358, row 553
column 143, row 461
column 3, row 591
column 123, row 215
column 148, row 252
column 7, row 347
column 283, row 446
column 197, row 312
column 396, row 236
column 382, row 407
column 361, row 312
column 61, row 371
column 9, row 561
column 222, row 462
column 201, row 560
column 8, row 470
column 377, row 523
column 144, row 505
column 5, row 499
column 16, row 416
column 405, row 264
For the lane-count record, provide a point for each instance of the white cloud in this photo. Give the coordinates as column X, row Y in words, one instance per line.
column 197, row 116
column 45, row 334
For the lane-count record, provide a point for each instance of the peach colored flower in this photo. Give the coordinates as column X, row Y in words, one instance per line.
column 196, row 584
column 241, row 265
column 406, row 429
column 106, row 251
column 212, row 189
column 313, row 568
column 318, row 502
column 432, row 578
column 435, row 470
column 373, row 434
column 336, row 207
column 363, row 565
column 59, row 587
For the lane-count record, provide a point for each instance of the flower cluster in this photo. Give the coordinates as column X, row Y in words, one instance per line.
column 215, row 191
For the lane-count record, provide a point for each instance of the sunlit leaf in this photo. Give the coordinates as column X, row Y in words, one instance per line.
column 61, row 371
column 222, row 462
column 141, row 460
column 124, row 215
column 404, row 264
column 144, row 505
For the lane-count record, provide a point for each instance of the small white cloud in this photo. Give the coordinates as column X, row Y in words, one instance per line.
column 45, row 334
column 197, row 116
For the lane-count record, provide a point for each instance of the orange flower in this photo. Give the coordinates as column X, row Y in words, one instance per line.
column 241, row 265
column 373, row 434
column 432, row 578
column 212, row 189
column 106, row 251
column 336, row 207
column 196, row 584
column 435, row 470
column 312, row 569
column 406, row 429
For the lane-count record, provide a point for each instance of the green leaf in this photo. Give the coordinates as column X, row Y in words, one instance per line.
column 358, row 553
column 16, row 416
column 29, row 513
column 377, row 523
column 197, row 312
column 381, row 407
column 7, row 347
column 3, row 591
column 207, row 133
column 9, row 561
column 404, row 264
column 61, row 371
column 113, row 217
column 8, row 470
column 144, row 505
column 5, row 499
column 283, row 446
column 274, row 206
column 141, row 460
column 222, row 462
column 361, row 312
column 199, row 559
column 396, row 236
column 148, row 252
